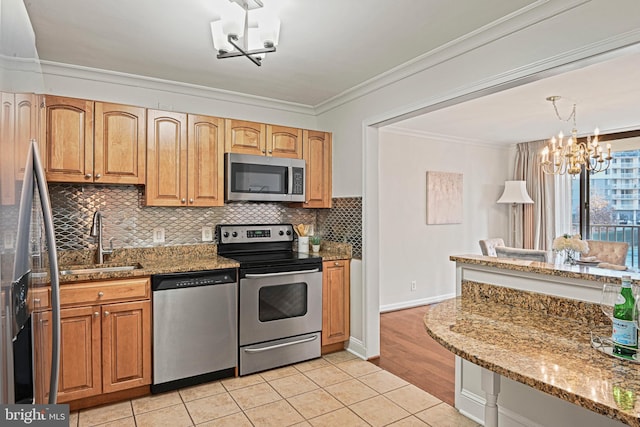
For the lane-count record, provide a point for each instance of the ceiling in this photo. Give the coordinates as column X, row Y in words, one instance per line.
column 328, row 48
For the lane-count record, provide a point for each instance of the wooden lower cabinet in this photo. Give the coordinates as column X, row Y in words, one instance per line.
column 104, row 348
column 126, row 345
column 335, row 304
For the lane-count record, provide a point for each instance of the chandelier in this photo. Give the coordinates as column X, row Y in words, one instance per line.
column 245, row 29
column 569, row 156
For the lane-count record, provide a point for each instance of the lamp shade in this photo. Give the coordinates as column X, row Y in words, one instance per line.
column 515, row 192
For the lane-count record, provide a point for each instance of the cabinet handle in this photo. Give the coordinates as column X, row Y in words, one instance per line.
column 87, row 176
column 336, row 263
column 36, row 301
column 98, row 176
column 183, row 201
column 96, row 314
column 100, row 294
column 270, row 151
column 264, row 151
column 190, row 200
column 106, row 313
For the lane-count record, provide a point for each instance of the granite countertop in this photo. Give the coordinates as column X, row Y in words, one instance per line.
column 578, row 271
column 162, row 259
column 522, row 336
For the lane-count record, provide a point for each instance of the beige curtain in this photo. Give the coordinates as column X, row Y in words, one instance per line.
column 535, row 222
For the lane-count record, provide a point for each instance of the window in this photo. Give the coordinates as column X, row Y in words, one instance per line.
column 606, row 205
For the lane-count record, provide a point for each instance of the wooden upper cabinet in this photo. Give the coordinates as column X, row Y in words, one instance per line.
column 317, row 153
column 68, row 139
column 185, row 160
column 205, row 161
column 284, row 142
column 114, row 154
column 119, row 144
column 245, row 137
column 166, row 159
column 27, row 106
column 7, row 147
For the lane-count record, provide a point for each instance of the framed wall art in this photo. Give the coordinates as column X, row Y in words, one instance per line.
column 444, row 198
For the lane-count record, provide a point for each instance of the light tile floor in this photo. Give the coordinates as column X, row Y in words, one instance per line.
column 335, row 390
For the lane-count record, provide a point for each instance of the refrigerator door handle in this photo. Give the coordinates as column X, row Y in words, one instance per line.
column 41, row 180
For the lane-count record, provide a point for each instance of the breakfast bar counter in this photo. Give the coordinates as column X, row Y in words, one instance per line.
column 535, row 341
column 532, row 322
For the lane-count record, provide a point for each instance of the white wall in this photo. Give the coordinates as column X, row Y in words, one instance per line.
column 548, row 36
column 409, row 248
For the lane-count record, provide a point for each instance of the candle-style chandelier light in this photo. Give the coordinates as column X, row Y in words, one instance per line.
column 569, row 156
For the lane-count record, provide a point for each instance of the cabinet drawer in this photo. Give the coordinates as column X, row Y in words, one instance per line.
column 41, row 299
column 105, row 291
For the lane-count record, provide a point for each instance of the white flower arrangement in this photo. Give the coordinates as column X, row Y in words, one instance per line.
column 569, row 242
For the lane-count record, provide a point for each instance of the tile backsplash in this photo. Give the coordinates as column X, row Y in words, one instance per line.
column 130, row 224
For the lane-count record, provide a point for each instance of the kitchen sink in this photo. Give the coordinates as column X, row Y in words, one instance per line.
column 98, row 269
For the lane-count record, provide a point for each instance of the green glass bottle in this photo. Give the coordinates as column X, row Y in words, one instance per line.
column 625, row 331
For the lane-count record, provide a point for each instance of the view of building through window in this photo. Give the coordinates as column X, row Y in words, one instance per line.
column 613, row 199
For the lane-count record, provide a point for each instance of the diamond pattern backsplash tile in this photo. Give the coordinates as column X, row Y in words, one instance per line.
column 343, row 223
column 130, row 224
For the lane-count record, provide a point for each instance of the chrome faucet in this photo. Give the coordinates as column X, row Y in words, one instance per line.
column 96, row 231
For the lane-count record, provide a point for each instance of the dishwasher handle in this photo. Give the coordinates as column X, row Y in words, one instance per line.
column 285, row 273
column 284, row 344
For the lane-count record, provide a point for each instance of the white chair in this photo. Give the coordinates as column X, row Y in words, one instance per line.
column 488, row 246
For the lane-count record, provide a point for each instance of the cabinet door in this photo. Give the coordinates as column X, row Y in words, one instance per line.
column 284, row 142
column 119, row 144
column 26, row 129
column 126, row 345
column 42, row 355
column 7, row 148
column 68, row 139
column 335, row 301
column 317, row 153
column 245, row 137
column 80, row 373
column 205, row 161
column 166, row 159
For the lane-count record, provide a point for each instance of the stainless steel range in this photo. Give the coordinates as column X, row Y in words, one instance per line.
column 280, row 296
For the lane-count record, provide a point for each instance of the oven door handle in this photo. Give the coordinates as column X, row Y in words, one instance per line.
column 285, row 344
column 285, row 273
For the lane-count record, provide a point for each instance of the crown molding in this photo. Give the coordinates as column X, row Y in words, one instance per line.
column 398, row 130
column 152, row 83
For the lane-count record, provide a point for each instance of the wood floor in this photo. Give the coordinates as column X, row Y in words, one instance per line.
column 407, row 351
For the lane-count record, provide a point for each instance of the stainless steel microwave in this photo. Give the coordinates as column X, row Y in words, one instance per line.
column 262, row 178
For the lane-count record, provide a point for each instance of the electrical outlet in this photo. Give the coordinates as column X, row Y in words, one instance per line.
column 158, row 235
column 207, row 234
column 413, row 285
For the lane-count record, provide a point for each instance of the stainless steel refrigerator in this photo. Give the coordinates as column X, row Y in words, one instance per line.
column 22, row 223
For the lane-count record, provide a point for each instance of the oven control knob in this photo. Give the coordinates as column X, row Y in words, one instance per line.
column 234, row 234
column 288, row 232
column 281, row 233
column 225, row 234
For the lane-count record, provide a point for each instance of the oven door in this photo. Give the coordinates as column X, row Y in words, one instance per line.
column 279, row 305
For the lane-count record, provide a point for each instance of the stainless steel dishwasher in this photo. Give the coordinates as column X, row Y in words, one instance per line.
column 195, row 332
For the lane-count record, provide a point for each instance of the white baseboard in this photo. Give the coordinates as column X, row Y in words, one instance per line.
column 357, row 347
column 414, row 303
column 471, row 406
